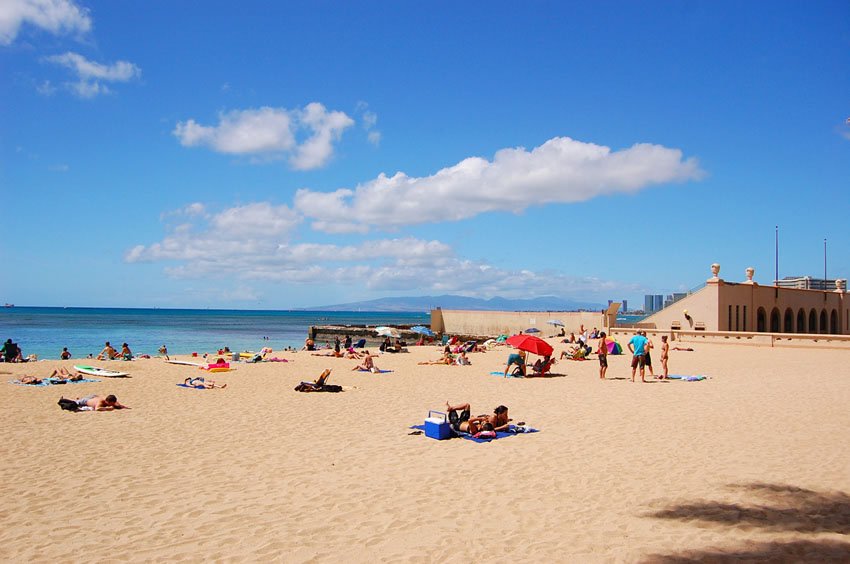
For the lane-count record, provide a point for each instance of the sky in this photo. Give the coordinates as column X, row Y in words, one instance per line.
column 275, row 155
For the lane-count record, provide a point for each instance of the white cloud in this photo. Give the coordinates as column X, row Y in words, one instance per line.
column 271, row 133
column 54, row 16
column 251, row 242
column 45, row 88
column 91, row 75
column 369, row 119
column 221, row 240
column 562, row 170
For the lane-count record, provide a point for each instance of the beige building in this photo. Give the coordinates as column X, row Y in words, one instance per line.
column 749, row 307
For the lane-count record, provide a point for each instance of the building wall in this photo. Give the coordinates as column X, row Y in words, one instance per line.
column 493, row 323
column 725, row 306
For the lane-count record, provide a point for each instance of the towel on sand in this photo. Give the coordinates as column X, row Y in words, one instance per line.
column 51, row 382
column 512, row 430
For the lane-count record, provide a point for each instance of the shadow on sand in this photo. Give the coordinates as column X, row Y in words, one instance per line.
column 784, row 509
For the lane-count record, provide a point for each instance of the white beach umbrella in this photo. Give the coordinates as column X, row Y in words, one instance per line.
column 387, row 332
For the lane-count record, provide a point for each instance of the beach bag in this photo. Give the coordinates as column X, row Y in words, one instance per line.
column 68, row 404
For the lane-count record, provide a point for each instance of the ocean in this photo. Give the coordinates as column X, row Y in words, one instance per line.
column 44, row 331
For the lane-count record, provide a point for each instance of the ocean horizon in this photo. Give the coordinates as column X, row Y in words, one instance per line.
column 44, row 331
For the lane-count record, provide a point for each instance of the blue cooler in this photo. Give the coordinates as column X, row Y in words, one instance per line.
column 437, row 426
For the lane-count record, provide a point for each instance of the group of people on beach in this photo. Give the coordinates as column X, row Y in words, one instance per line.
column 11, row 352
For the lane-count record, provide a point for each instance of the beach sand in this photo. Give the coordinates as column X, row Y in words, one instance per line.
column 753, row 463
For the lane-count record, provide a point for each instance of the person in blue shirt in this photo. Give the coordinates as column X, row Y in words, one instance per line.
column 638, row 346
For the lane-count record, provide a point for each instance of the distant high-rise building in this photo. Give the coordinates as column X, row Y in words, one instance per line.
column 625, row 305
column 653, row 303
column 806, row 283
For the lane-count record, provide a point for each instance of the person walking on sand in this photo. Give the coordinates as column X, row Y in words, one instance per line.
column 665, row 354
column 637, row 345
column 602, row 352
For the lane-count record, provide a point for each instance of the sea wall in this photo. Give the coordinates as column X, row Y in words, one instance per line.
column 493, row 323
column 687, row 338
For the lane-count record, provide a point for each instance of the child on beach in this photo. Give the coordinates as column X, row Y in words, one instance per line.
column 602, row 352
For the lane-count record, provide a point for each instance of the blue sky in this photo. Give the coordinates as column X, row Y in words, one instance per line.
column 276, row 155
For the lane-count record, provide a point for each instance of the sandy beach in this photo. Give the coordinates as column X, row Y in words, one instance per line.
column 751, row 463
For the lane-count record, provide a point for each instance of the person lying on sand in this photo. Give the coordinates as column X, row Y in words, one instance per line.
column 336, row 353
column 460, row 420
column 201, row 383
column 320, row 385
column 448, row 358
column 97, row 403
column 30, row 380
column 61, row 374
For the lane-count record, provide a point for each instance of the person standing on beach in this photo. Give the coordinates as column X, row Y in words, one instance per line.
column 637, row 345
column 647, row 358
column 665, row 354
column 602, row 352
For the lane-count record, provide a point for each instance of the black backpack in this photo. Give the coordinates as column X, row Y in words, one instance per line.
column 68, row 404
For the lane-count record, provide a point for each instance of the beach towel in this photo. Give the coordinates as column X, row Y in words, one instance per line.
column 50, row 382
column 375, row 372
column 510, row 374
column 198, row 387
column 685, row 378
column 311, row 387
column 512, row 430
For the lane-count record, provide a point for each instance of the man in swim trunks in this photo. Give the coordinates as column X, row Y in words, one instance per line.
column 637, row 345
column 108, row 353
column 519, row 360
column 460, row 420
column 647, row 358
column 99, row 403
column 602, row 353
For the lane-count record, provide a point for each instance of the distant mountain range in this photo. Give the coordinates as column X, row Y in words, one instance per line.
column 427, row 303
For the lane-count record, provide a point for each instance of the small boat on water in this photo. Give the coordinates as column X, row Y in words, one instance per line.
column 9, row 305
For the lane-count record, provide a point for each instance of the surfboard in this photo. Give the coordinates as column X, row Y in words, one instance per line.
column 95, row 371
column 185, row 363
